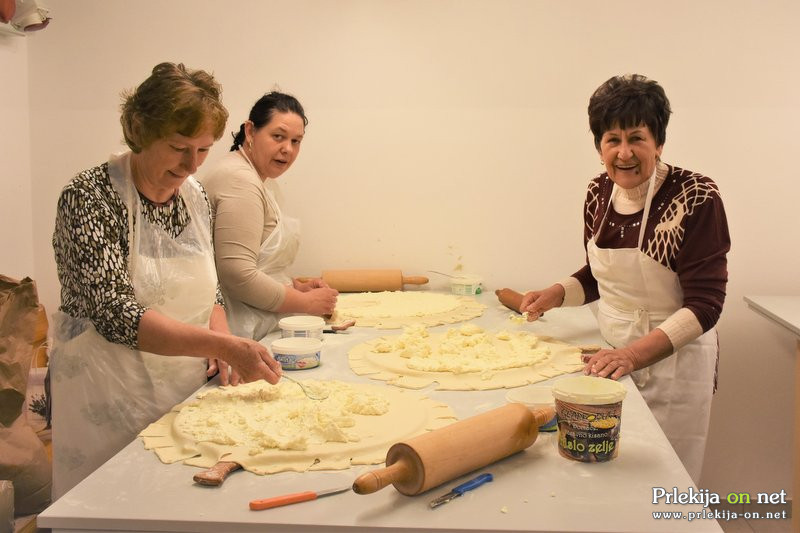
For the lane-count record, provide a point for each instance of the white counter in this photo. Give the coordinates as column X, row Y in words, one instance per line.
column 535, row 490
column 785, row 311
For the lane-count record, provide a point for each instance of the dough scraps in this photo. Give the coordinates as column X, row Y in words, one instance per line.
column 276, row 428
column 395, row 309
column 464, row 358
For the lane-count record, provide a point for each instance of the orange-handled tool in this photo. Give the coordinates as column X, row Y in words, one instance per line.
column 297, row 497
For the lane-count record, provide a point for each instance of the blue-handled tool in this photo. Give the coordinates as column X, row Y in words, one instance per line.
column 461, row 489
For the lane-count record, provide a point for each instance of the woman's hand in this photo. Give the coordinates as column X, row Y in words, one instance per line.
column 535, row 303
column 320, row 301
column 249, row 361
column 238, row 360
column 315, row 298
column 619, row 362
column 611, row 364
column 227, row 376
column 313, row 283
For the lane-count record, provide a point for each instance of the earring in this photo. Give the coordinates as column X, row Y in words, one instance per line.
column 602, row 163
column 250, row 144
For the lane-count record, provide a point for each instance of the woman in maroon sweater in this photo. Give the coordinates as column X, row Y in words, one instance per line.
column 656, row 240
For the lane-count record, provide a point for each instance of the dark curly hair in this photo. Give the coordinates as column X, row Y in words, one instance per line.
column 626, row 102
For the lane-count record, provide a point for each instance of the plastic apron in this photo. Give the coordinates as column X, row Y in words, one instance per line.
column 277, row 254
column 105, row 393
column 637, row 293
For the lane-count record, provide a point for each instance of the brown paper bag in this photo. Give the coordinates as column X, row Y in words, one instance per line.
column 23, row 459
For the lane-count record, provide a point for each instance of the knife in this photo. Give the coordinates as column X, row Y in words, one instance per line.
column 297, row 497
column 461, row 489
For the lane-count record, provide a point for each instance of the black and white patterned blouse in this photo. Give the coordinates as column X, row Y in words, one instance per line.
column 91, row 251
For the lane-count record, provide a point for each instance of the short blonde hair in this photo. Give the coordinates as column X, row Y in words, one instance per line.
column 173, row 99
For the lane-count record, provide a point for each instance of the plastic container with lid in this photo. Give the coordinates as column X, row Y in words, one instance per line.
column 589, row 413
column 302, row 326
column 297, row 353
column 535, row 397
column 465, row 284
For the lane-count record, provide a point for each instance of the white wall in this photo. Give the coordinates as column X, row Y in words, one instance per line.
column 449, row 133
column 16, row 213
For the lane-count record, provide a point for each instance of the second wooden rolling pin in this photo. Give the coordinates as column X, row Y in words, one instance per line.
column 510, row 298
column 369, row 280
column 436, row 457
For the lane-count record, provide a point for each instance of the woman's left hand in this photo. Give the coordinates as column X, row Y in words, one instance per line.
column 227, row 375
column 619, row 362
column 313, row 283
column 611, row 364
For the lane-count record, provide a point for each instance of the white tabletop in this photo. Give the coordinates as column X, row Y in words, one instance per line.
column 785, row 310
column 534, row 490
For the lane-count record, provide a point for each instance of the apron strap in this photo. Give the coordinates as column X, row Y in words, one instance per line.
column 647, row 203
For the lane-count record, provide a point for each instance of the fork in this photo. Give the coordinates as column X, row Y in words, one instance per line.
column 310, row 395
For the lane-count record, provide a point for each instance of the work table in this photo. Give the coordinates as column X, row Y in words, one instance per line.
column 534, row 490
column 785, row 311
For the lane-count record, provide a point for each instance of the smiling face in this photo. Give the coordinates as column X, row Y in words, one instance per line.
column 276, row 144
column 164, row 165
column 629, row 154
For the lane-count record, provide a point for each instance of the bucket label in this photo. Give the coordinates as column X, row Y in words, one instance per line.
column 312, row 333
column 588, row 433
column 297, row 362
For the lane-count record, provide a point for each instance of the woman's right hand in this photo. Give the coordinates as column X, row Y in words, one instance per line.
column 535, row 303
column 320, row 301
column 250, row 361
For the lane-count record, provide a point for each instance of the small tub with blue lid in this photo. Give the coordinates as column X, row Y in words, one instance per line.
column 297, row 353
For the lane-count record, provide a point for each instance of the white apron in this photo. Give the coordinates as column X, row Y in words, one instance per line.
column 105, row 393
column 637, row 293
column 277, row 254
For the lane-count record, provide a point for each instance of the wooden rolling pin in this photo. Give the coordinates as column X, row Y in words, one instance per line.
column 436, row 457
column 215, row 476
column 369, row 280
column 510, row 298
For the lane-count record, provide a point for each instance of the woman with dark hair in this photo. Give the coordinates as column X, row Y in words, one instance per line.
column 141, row 324
column 656, row 240
column 255, row 242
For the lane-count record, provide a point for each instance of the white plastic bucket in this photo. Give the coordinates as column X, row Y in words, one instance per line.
column 465, row 284
column 297, row 353
column 589, row 413
column 537, row 397
column 302, row 326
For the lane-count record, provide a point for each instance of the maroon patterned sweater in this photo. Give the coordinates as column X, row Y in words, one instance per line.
column 686, row 231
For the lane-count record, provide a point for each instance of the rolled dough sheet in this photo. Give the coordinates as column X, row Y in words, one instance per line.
column 395, row 309
column 463, row 358
column 275, row 428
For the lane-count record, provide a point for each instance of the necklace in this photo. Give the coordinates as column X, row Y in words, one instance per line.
column 623, row 226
